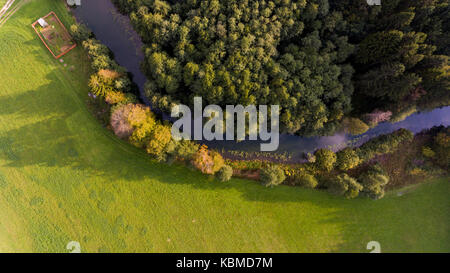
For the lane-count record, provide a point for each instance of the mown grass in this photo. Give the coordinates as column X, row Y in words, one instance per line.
column 65, row 178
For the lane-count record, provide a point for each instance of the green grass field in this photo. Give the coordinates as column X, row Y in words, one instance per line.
column 65, row 178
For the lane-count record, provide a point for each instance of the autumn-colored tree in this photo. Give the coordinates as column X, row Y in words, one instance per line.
column 139, row 114
column 142, row 133
column 115, row 97
column 377, row 116
column 159, row 137
column 100, row 86
column 119, row 121
column 207, row 161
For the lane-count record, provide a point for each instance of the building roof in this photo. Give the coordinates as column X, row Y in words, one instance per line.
column 42, row 22
column 74, row 2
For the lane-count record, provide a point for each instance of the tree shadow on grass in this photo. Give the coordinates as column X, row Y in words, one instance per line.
column 51, row 143
column 56, row 138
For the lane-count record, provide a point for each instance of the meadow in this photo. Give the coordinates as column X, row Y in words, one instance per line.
column 63, row 177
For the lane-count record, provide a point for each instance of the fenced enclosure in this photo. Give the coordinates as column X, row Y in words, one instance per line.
column 54, row 35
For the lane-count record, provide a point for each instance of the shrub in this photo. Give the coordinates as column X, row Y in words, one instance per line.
column 140, row 114
column 347, row 159
column 272, row 176
column 123, row 84
column 102, row 62
column 119, row 121
column 344, row 185
column 403, row 114
column 206, row 161
column 218, row 160
column 100, row 86
column 140, row 136
column 143, row 122
column 310, row 157
column 376, row 117
column 185, row 150
column 383, row 144
column 80, row 32
column 119, row 98
column 115, row 97
column 442, row 140
column 442, row 148
column 108, row 74
column 353, row 187
column 374, row 181
column 255, row 164
column 159, row 137
column 355, row 126
column 170, row 158
column 95, row 48
column 325, row 159
column 100, row 56
column 306, row 180
column 427, row 152
column 417, row 172
column 225, row 173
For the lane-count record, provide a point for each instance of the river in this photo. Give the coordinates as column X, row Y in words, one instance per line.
column 115, row 30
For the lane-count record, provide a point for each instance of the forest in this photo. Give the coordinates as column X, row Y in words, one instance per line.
column 328, row 64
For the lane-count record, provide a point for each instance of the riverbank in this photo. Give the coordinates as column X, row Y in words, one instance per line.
column 156, row 140
column 115, row 30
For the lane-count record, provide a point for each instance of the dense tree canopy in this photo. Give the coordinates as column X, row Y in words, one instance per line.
column 290, row 53
column 299, row 54
column 402, row 56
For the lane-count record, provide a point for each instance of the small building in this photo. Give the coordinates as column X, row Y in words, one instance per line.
column 74, row 2
column 42, row 22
